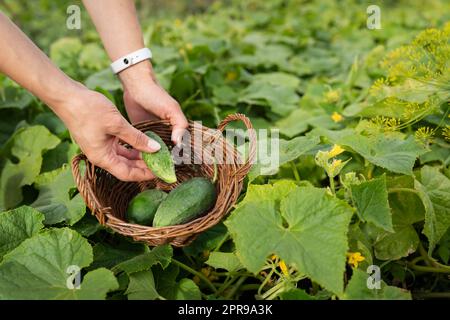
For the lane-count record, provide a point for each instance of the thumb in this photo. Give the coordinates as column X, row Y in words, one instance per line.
column 137, row 139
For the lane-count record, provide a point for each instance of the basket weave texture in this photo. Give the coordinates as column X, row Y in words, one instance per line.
column 108, row 197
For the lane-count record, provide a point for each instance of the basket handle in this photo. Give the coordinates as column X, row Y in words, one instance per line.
column 85, row 188
column 245, row 168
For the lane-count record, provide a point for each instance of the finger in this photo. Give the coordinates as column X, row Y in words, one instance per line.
column 179, row 125
column 131, row 154
column 128, row 170
column 137, row 139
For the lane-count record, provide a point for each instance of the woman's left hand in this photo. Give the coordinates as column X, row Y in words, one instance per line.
column 145, row 99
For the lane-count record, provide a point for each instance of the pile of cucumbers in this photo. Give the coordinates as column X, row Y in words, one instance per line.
column 187, row 201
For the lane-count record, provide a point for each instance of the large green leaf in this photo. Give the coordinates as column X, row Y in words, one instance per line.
column 16, row 226
column 27, row 145
column 434, row 190
column 371, row 199
column 390, row 151
column 142, row 286
column 103, row 79
column 357, row 289
column 299, row 120
column 59, row 156
column 288, row 150
column 161, row 255
column 224, row 260
column 276, row 191
column 277, row 79
column 108, row 254
column 407, row 209
column 171, row 288
column 280, row 99
column 401, row 243
column 54, row 198
column 39, row 268
column 308, row 229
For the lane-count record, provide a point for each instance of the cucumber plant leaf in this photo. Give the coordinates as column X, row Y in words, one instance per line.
column 434, row 190
column 224, row 260
column 17, row 225
column 54, row 198
column 306, row 228
column 39, row 268
column 171, row 288
column 142, row 286
column 288, row 150
column 358, row 289
column 371, row 200
column 389, row 152
column 160, row 254
column 27, row 146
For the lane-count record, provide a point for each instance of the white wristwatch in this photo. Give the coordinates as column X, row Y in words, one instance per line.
column 131, row 59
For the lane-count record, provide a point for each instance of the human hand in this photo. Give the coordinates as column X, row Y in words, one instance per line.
column 96, row 125
column 145, row 99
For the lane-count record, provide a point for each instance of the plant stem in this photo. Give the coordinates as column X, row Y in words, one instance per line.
column 332, row 185
column 428, row 269
column 295, row 171
column 431, row 260
column 249, row 287
column 228, row 281
column 195, row 272
column 266, row 280
column 236, row 287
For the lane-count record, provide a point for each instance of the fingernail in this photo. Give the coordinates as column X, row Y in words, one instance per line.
column 153, row 145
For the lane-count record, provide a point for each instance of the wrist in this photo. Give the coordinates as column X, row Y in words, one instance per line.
column 136, row 76
column 71, row 102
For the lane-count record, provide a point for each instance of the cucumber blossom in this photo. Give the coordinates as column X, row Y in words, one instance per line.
column 143, row 206
column 186, row 202
column 160, row 162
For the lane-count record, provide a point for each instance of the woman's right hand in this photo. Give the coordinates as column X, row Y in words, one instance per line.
column 97, row 126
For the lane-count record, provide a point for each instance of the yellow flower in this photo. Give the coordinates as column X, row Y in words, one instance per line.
column 336, row 163
column 336, row 150
column 354, row 258
column 231, row 75
column 283, row 267
column 189, row 46
column 336, row 117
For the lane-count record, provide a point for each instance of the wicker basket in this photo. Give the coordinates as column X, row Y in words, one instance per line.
column 108, row 197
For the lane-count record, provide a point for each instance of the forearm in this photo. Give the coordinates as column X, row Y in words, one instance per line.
column 25, row 63
column 117, row 24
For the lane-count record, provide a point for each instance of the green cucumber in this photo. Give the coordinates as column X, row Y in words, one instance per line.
column 186, row 202
column 143, row 206
column 160, row 162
